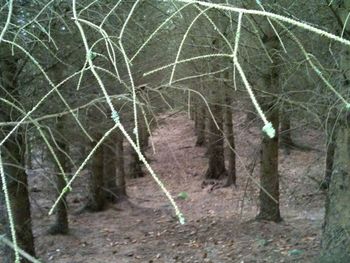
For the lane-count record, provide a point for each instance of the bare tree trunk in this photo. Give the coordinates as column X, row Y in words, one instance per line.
column 12, row 154
column 330, row 151
column 120, row 183
column 335, row 238
column 231, row 155
column 96, row 201
column 17, row 186
column 61, row 224
column 269, row 177
column 109, row 169
column 216, row 169
column 135, row 168
column 200, row 125
column 336, row 229
column 135, row 165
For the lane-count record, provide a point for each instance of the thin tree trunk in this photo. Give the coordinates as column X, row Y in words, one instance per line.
column 120, row 172
column 231, row 155
column 135, row 165
column 96, row 201
column 200, row 125
column 61, row 224
column 269, row 177
column 135, row 168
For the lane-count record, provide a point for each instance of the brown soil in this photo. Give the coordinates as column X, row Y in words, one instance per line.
column 220, row 224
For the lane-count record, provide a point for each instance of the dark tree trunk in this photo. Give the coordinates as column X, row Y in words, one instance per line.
column 28, row 153
column 231, row 155
column 135, row 164
column 269, row 177
column 120, row 171
column 17, row 184
column 135, row 168
column 97, row 199
column 12, row 154
column 61, row 224
column 335, row 238
column 109, row 170
column 192, row 103
column 200, row 125
column 216, row 169
column 144, row 135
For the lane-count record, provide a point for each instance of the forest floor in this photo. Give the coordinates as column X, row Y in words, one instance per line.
column 220, row 225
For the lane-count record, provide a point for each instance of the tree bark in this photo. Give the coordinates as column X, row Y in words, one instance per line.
column 135, row 165
column 96, row 201
column 269, row 177
column 335, row 238
column 61, row 224
column 200, row 125
column 12, row 154
column 231, row 155
column 120, row 171
column 216, row 169
column 109, row 170
column 330, row 151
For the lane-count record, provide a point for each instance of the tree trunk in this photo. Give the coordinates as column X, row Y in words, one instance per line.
column 135, row 168
column 329, row 157
column 200, row 125
column 269, row 177
column 96, row 201
column 335, row 238
column 12, row 154
column 120, row 171
column 336, row 229
column 135, row 165
column 109, row 170
column 231, row 155
column 61, row 224
column 216, row 169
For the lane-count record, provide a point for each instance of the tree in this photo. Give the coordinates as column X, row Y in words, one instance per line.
column 61, row 224
column 335, row 237
column 13, row 160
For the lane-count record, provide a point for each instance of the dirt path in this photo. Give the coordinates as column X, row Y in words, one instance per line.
column 217, row 228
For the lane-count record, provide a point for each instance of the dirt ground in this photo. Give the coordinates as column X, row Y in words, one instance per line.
column 220, row 224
